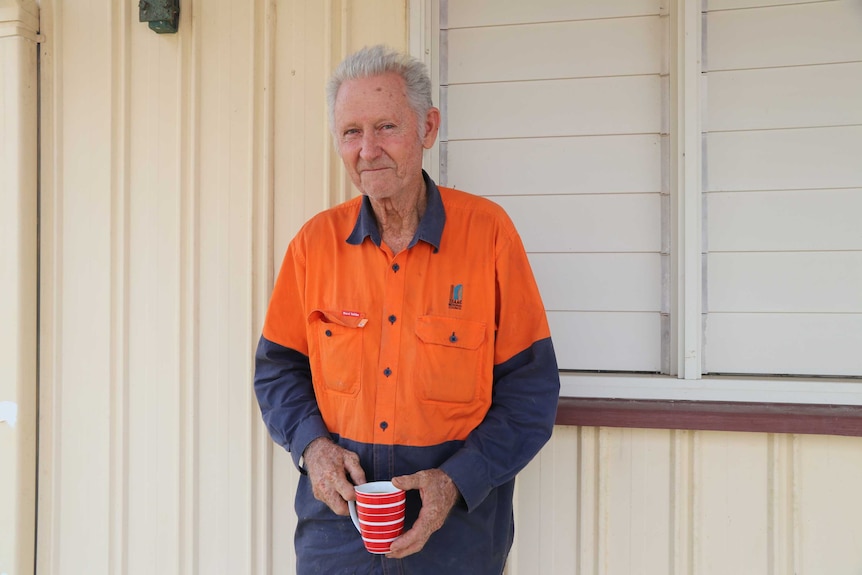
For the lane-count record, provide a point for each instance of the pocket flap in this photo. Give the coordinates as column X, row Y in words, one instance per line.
column 345, row 318
column 451, row 332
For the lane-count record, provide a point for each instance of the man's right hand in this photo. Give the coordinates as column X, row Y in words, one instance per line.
column 328, row 467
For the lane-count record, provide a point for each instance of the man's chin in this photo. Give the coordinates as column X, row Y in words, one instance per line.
column 376, row 192
column 375, row 188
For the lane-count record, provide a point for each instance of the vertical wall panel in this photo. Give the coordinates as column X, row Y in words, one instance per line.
column 261, row 230
column 50, row 286
column 782, row 520
column 84, row 319
column 300, row 74
column 829, row 504
column 225, row 180
column 189, row 392
column 19, row 23
column 548, row 509
column 152, row 261
column 303, row 170
column 827, row 470
column 732, row 495
column 635, row 501
column 589, row 503
column 121, row 438
column 682, row 485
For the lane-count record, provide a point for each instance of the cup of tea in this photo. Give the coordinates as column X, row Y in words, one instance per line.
column 378, row 514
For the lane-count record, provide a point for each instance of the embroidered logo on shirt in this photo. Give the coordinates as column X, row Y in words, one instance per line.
column 456, row 296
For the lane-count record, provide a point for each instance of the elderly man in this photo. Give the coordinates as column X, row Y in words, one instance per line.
column 405, row 340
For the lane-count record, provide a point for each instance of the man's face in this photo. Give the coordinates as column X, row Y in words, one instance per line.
column 377, row 135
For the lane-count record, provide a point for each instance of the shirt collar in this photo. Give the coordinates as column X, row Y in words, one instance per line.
column 430, row 228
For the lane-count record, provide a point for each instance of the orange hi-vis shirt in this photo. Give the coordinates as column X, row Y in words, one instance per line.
column 402, row 347
column 436, row 357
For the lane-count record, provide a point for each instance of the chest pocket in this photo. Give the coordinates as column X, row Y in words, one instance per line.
column 338, row 358
column 448, row 358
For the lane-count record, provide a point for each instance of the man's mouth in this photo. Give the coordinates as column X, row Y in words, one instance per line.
column 373, row 170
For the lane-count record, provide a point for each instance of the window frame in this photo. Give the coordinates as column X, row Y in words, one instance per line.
column 686, row 398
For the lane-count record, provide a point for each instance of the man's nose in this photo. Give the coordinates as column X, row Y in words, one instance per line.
column 370, row 146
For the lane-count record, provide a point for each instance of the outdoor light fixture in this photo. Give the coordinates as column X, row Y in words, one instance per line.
column 162, row 15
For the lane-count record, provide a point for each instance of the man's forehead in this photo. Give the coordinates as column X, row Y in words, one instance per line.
column 390, row 82
column 383, row 94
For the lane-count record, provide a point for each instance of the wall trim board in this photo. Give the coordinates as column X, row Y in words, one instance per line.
column 712, row 416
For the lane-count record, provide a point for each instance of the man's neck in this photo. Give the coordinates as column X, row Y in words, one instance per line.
column 398, row 217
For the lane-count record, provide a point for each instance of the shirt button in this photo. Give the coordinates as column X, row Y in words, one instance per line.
column 328, row 333
column 453, row 338
column 395, row 267
column 392, row 319
column 383, row 425
column 387, row 372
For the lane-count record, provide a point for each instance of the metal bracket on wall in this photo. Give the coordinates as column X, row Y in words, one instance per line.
column 163, row 16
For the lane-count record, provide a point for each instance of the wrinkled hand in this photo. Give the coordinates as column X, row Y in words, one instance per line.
column 439, row 495
column 328, row 467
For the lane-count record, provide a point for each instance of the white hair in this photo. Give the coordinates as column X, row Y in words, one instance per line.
column 376, row 61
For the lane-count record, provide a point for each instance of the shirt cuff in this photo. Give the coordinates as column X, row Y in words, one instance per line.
column 469, row 472
column 310, row 429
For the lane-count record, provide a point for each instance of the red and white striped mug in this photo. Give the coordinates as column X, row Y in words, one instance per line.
column 378, row 514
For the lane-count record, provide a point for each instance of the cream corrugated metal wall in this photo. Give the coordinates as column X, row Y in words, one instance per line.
column 174, row 171
column 606, row 501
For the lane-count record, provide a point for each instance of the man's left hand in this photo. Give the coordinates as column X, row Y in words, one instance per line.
column 439, row 495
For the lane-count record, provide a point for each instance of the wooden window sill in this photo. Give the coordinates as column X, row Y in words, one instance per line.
column 712, row 416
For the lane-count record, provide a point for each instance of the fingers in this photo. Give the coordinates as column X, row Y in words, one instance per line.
column 406, row 482
column 410, row 542
column 439, row 494
column 354, row 470
column 328, row 467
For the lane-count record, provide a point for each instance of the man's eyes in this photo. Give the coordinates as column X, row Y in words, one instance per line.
column 353, row 132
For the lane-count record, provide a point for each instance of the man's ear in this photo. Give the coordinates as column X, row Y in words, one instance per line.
column 432, row 126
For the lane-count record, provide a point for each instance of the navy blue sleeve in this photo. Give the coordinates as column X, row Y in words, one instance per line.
column 282, row 384
column 519, row 422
